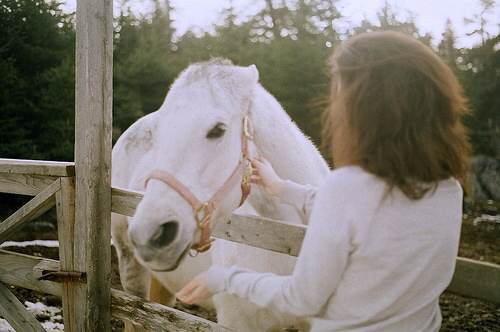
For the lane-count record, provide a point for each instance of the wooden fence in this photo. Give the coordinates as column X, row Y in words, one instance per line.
column 52, row 184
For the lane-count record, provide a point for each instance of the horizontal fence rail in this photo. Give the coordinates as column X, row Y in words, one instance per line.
column 24, row 271
column 480, row 280
column 37, row 167
column 156, row 317
column 24, row 184
column 472, row 278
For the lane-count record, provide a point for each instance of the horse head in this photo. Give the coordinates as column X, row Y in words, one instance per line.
column 200, row 169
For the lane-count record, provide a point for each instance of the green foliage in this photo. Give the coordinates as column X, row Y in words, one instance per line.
column 36, row 61
column 388, row 20
column 480, row 76
column 480, row 20
column 446, row 48
column 141, row 66
column 289, row 41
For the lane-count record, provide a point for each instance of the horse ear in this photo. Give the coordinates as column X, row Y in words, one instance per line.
column 249, row 74
column 253, row 73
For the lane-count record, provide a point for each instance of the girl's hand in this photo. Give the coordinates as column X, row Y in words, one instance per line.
column 263, row 174
column 195, row 291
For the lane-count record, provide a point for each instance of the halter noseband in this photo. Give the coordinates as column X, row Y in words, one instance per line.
column 202, row 211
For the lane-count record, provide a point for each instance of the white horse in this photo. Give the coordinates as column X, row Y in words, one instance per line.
column 196, row 137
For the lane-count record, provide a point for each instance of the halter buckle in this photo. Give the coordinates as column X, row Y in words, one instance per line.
column 247, row 173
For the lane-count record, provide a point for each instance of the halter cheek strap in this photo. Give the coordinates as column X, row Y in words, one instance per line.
column 202, row 212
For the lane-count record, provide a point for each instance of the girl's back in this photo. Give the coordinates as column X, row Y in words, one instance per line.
column 402, row 253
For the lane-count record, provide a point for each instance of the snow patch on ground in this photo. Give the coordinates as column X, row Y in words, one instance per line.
column 40, row 243
column 486, row 218
column 50, row 316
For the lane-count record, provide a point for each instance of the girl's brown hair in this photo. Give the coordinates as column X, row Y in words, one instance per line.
column 396, row 111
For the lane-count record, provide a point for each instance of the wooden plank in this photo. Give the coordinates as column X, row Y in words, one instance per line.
column 37, row 167
column 124, row 201
column 73, row 293
column 256, row 231
column 156, row 317
column 476, row 279
column 263, row 233
column 23, row 271
column 24, row 184
column 15, row 313
column 45, row 266
column 472, row 278
column 93, row 126
column 38, row 205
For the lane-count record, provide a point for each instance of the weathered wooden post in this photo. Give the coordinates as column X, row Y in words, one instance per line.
column 94, row 71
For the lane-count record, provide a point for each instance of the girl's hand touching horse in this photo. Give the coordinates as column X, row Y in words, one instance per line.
column 264, row 175
column 195, row 291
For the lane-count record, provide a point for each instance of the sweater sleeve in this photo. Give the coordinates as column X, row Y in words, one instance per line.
column 320, row 265
column 299, row 196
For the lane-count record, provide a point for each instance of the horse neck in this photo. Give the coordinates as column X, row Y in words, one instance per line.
column 281, row 142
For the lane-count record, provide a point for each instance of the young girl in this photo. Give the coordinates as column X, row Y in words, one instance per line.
column 384, row 228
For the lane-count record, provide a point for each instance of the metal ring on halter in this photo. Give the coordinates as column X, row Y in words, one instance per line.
column 248, row 128
column 194, row 251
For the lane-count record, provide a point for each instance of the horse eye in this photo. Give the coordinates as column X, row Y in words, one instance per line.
column 217, row 131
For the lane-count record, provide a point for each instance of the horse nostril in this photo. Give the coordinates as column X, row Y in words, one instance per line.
column 164, row 235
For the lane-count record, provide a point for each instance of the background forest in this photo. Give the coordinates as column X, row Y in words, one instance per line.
column 290, row 43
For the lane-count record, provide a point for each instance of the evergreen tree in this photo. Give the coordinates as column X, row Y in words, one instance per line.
column 142, row 53
column 446, row 47
column 387, row 20
column 481, row 79
column 275, row 20
column 36, row 49
column 480, row 20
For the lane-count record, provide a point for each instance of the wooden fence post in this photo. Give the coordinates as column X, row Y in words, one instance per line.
column 94, row 70
column 73, row 294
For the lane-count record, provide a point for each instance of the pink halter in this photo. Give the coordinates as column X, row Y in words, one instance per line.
column 202, row 211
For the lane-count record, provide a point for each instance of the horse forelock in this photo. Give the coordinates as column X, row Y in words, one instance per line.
column 218, row 76
column 214, row 69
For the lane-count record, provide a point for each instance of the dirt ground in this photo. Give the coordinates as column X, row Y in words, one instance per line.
column 480, row 241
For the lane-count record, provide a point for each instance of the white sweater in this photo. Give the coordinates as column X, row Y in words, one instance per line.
column 366, row 264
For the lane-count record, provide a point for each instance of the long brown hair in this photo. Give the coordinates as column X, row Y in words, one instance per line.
column 396, row 111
